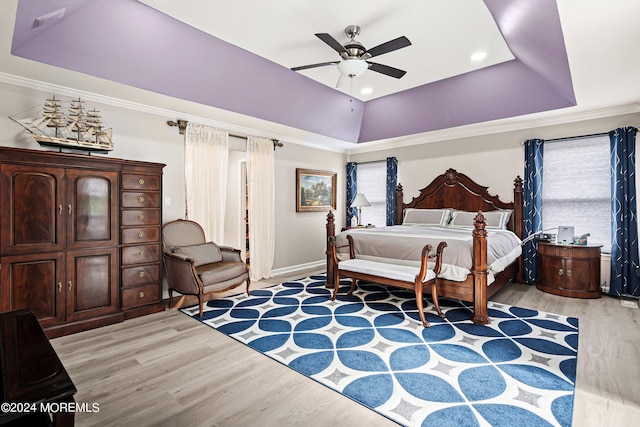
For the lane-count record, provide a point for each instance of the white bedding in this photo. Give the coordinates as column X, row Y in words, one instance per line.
column 402, row 244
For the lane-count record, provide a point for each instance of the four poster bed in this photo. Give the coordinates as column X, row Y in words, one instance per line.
column 482, row 232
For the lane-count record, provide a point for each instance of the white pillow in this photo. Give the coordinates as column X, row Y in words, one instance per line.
column 494, row 219
column 426, row 216
column 205, row 253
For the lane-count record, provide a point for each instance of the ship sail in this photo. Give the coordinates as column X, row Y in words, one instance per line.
column 79, row 128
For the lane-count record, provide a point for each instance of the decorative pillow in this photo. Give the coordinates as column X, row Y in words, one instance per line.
column 426, row 216
column 507, row 216
column 494, row 219
column 201, row 254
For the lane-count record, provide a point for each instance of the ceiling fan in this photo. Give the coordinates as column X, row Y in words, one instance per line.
column 355, row 57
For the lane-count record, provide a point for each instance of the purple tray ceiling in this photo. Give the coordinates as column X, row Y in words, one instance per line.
column 128, row 42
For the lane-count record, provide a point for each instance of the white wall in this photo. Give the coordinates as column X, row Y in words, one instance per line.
column 299, row 238
column 303, row 234
column 136, row 135
column 492, row 160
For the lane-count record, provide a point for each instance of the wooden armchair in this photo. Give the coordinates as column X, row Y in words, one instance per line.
column 196, row 267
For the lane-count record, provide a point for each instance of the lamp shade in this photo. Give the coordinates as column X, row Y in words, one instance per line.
column 352, row 67
column 360, row 201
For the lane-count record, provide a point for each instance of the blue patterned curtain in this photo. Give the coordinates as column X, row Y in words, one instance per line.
column 532, row 195
column 392, row 183
column 624, row 224
column 352, row 189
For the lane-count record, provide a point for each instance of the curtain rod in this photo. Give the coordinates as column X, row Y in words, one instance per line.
column 577, row 136
column 182, row 127
column 580, row 136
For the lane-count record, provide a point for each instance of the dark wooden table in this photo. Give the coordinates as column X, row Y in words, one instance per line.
column 32, row 375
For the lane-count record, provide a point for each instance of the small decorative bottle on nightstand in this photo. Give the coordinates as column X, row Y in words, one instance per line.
column 569, row 270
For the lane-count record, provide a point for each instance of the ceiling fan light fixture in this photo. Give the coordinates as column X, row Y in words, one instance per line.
column 352, row 67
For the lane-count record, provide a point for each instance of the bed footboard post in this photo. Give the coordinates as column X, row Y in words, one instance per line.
column 479, row 271
column 518, row 226
column 331, row 232
column 399, row 203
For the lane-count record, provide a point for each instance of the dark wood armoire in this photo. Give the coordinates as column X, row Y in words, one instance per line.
column 79, row 238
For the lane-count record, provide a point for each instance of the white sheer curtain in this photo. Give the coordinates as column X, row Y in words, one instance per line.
column 206, row 164
column 260, row 180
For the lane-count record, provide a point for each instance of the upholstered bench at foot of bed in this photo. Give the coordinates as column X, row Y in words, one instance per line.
column 403, row 276
column 404, row 273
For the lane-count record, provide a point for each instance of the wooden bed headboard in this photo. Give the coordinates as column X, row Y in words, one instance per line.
column 455, row 190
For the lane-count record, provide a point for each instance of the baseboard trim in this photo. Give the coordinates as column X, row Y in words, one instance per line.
column 299, row 267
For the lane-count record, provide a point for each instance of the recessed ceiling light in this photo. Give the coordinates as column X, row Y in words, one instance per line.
column 478, row 56
column 366, row 90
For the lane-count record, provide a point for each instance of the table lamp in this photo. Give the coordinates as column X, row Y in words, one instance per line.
column 358, row 202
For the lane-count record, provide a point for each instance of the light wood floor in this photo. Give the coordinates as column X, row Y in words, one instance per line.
column 166, row 369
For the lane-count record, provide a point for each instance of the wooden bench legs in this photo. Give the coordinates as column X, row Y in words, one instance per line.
column 401, row 276
column 434, row 296
column 418, row 288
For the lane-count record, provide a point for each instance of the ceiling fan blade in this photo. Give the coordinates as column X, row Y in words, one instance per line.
column 322, row 64
column 389, row 46
column 385, row 69
column 333, row 43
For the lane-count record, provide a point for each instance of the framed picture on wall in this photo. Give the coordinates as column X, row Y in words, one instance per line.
column 315, row 190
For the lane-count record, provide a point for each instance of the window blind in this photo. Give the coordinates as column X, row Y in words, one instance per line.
column 576, row 187
column 372, row 181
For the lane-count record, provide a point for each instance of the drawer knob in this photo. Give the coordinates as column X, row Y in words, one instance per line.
column 141, row 274
column 141, row 216
column 141, row 199
column 141, row 294
column 569, row 273
column 141, row 253
column 141, row 181
column 561, row 272
column 141, row 234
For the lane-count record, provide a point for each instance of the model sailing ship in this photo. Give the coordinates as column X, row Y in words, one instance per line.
column 79, row 129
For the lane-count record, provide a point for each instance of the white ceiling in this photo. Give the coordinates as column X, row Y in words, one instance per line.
column 443, row 34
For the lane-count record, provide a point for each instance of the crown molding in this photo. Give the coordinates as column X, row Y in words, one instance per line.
column 476, row 129
column 331, row 145
column 502, row 126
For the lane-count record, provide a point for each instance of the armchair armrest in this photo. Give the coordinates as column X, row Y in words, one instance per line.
column 230, row 254
column 181, row 274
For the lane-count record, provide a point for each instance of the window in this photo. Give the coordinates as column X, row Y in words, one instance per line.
column 576, row 187
column 372, row 182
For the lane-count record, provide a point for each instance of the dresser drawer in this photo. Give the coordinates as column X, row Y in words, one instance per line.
column 140, row 295
column 140, row 235
column 141, row 254
column 140, row 217
column 140, row 182
column 135, row 276
column 140, row 200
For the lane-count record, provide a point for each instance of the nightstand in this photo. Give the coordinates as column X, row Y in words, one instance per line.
column 569, row 270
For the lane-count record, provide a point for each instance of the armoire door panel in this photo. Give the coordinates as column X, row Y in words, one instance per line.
column 35, row 282
column 92, row 208
column 92, row 283
column 32, row 216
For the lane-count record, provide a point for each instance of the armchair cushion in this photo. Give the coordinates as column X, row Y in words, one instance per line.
column 221, row 272
column 205, row 253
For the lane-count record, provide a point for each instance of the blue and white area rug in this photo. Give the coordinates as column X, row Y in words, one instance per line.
column 517, row 371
